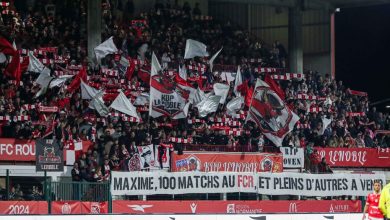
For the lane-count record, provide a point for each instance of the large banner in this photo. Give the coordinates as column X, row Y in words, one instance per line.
column 76, row 207
column 166, row 97
column 274, row 118
column 23, row 150
column 23, row 207
column 293, row 157
column 227, row 162
column 17, row 150
column 149, row 183
column 48, row 156
column 222, row 207
column 356, row 157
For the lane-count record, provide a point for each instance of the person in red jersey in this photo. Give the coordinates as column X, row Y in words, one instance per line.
column 372, row 203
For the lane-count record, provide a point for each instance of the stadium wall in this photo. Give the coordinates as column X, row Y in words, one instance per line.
column 270, row 23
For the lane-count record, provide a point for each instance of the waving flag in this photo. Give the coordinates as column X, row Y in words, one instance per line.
column 34, row 64
column 195, row 49
column 167, row 98
column 270, row 113
column 211, row 61
column 105, row 48
column 13, row 68
column 123, row 104
column 208, row 105
column 237, row 82
column 87, row 92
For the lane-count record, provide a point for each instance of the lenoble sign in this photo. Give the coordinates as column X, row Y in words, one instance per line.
column 356, row 157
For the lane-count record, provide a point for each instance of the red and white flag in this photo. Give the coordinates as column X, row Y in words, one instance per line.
column 166, row 97
column 270, row 113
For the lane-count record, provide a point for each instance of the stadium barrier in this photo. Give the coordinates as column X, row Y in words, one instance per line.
column 179, row 207
column 348, row 216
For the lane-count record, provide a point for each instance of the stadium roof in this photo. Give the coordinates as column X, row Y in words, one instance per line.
column 355, row 3
column 312, row 4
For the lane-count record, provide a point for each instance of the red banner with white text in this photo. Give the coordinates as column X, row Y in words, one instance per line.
column 221, row 207
column 76, row 207
column 227, row 162
column 23, row 207
column 23, row 150
column 356, row 157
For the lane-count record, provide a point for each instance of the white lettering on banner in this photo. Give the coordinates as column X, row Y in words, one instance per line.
column 17, row 149
column 345, row 156
column 19, row 209
column 143, row 183
column 346, row 216
column 230, row 167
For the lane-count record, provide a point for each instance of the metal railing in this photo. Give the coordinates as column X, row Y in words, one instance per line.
column 79, row 191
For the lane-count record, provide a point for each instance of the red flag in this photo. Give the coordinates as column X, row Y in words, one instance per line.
column 13, row 68
column 144, row 75
column 274, row 86
column 248, row 96
column 82, row 75
column 6, row 47
column 130, row 69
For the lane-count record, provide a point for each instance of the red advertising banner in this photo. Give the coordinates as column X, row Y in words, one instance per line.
column 355, row 157
column 76, row 207
column 23, row 207
column 221, row 207
column 227, row 162
column 17, row 150
column 22, row 150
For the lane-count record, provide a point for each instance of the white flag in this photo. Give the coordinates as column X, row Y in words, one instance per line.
column 97, row 103
column 44, row 78
column 59, row 81
column 238, row 81
column 142, row 50
column 325, row 123
column 183, row 72
column 142, row 99
column 208, row 105
column 221, row 90
column 195, row 49
column 105, row 48
column 234, row 105
column 87, row 92
column 213, row 58
column 3, row 58
column 197, row 96
column 34, row 64
column 123, row 104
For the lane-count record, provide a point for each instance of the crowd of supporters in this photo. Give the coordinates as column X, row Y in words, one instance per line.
column 164, row 31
